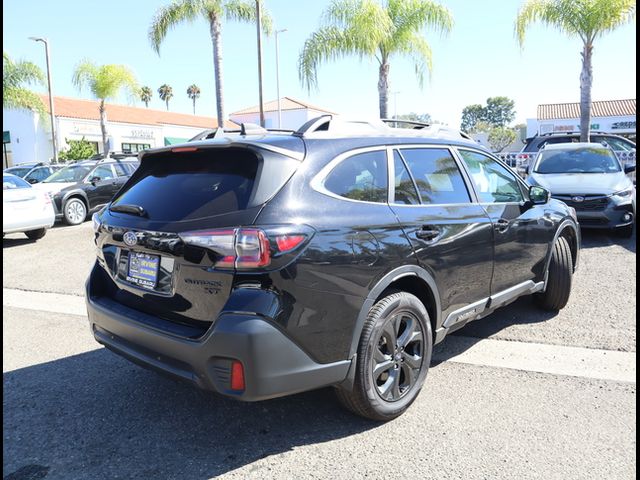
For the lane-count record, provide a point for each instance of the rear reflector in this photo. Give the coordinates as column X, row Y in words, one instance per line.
column 288, row 242
column 237, row 376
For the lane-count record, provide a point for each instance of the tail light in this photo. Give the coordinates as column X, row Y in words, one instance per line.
column 246, row 248
column 47, row 198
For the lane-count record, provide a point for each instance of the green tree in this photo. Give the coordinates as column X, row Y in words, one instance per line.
column 145, row 95
column 15, row 75
column 165, row 92
column 587, row 20
column 499, row 111
column 471, row 115
column 213, row 11
column 193, row 92
column 105, row 82
column 501, row 137
column 370, row 28
column 78, row 150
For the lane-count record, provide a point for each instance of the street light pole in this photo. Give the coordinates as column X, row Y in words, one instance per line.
column 258, row 26
column 395, row 106
column 278, row 78
column 51, row 111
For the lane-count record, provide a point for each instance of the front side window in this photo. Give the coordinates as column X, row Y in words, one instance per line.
column 70, row 174
column 38, row 174
column 437, row 176
column 494, row 183
column 360, row 177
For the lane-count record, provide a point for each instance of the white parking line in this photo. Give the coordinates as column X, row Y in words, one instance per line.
column 531, row 357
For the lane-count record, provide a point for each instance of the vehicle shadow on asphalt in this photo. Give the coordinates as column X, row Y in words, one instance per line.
column 16, row 242
column 603, row 238
column 95, row 415
column 522, row 311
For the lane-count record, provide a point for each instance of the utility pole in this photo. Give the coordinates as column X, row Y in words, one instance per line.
column 259, row 32
column 278, row 78
column 51, row 112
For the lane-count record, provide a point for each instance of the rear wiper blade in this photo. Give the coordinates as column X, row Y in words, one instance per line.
column 128, row 208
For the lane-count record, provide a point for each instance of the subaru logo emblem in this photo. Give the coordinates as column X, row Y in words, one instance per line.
column 130, row 238
column 578, row 198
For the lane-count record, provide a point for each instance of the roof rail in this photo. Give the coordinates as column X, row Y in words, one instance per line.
column 332, row 123
column 395, row 121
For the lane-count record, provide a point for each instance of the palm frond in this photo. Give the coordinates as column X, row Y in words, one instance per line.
column 107, row 81
column 245, row 11
column 179, row 11
column 417, row 48
column 23, row 99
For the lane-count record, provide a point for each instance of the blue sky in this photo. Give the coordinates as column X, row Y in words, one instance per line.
column 480, row 58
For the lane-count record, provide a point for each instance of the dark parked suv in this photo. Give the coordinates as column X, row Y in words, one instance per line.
column 262, row 264
column 86, row 186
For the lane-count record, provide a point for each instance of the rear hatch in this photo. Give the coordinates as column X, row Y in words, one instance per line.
column 149, row 262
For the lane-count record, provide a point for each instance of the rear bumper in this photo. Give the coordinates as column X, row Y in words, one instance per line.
column 273, row 364
column 44, row 221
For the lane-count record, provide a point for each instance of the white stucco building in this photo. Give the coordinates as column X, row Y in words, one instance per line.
column 611, row 116
column 27, row 138
column 294, row 113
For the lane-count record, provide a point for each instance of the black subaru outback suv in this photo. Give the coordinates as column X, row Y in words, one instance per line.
column 262, row 264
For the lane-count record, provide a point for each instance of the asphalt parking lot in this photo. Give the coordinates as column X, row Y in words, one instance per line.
column 74, row 410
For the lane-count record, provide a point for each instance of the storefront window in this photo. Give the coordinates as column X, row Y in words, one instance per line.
column 134, row 147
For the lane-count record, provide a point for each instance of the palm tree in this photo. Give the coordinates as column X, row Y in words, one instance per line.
column 15, row 75
column 145, row 95
column 368, row 28
column 213, row 11
column 586, row 20
column 193, row 92
column 165, row 92
column 106, row 82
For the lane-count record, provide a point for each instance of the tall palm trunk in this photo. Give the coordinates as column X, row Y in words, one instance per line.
column 103, row 128
column 194, row 106
column 167, row 103
column 383, row 88
column 586, row 80
column 216, row 30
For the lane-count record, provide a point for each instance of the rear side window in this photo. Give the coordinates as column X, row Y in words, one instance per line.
column 437, row 176
column 362, row 176
column 187, row 186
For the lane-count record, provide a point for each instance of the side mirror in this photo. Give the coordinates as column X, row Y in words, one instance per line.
column 32, row 180
column 629, row 168
column 539, row 195
column 94, row 180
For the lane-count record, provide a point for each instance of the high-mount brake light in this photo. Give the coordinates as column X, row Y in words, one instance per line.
column 184, row 149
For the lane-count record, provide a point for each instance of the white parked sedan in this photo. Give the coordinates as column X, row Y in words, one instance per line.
column 25, row 209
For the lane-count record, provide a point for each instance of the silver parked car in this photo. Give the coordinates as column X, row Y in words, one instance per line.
column 589, row 178
column 24, row 208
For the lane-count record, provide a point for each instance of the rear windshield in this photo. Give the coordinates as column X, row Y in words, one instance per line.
column 190, row 185
column 9, row 182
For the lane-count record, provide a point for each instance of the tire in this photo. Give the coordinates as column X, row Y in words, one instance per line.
column 556, row 296
column 625, row 232
column 36, row 234
column 386, row 393
column 75, row 211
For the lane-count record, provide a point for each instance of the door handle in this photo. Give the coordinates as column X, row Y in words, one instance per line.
column 502, row 225
column 428, row 233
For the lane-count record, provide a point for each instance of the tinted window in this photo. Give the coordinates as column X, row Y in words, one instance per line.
column 186, row 186
column 577, row 160
column 71, row 174
column 38, row 174
column 405, row 191
column 10, row 182
column 617, row 144
column 360, row 177
column 104, row 172
column 437, row 175
column 494, row 183
column 121, row 170
column 19, row 171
